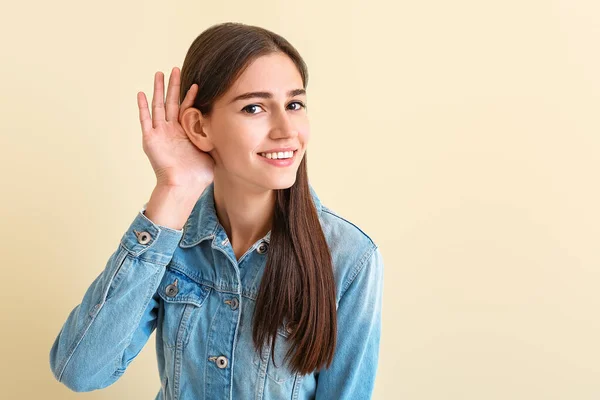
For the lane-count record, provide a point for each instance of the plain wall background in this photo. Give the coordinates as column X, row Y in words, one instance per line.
column 462, row 136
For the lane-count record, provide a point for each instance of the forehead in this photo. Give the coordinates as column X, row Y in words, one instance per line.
column 274, row 73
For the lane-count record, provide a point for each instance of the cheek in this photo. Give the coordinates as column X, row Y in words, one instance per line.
column 304, row 134
column 303, row 128
column 233, row 137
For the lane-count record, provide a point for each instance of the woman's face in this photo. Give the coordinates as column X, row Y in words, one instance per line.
column 240, row 129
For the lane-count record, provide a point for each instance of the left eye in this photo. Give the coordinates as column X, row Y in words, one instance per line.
column 248, row 107
column 300, row 104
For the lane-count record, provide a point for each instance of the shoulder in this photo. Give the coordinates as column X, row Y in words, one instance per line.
column 351, row 248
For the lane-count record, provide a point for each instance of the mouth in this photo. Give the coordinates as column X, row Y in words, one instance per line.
column 263, row 155
column 280, row 162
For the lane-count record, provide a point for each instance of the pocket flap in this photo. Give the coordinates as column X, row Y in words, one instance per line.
column 177, row 287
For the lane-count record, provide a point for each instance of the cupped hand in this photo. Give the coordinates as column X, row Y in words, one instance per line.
column 175, row 159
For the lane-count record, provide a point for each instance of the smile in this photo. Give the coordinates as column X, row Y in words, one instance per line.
column 280, row 162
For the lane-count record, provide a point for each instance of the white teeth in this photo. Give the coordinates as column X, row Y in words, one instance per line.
column 279, row 155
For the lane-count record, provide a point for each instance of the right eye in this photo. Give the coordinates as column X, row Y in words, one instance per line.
column 249, row 107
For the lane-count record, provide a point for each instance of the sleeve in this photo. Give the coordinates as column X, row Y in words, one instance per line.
column 118, row 312
column 351, row 375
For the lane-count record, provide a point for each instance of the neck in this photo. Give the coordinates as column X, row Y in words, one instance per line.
column 245, row 211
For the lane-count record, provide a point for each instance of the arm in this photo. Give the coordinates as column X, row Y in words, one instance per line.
column 351, row 375
column 117, row 315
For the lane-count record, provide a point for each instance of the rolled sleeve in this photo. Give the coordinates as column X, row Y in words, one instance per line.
column 160, row 243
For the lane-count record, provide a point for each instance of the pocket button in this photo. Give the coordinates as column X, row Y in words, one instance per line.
column 172, row 289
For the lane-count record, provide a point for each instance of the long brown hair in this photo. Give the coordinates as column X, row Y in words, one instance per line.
column 298, row 284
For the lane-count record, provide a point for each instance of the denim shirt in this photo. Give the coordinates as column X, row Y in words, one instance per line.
column 188, row 285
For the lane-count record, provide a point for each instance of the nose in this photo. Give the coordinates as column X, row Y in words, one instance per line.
column 283, row 126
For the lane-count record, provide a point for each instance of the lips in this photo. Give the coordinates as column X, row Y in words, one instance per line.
column 283, row 162
column 266, row 152
column 280, row 150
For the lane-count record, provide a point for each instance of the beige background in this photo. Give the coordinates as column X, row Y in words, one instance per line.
column 462, row 136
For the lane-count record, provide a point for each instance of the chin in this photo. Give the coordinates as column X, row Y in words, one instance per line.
column 283, row 183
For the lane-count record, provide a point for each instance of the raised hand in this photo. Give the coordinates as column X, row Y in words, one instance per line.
column 175, row 159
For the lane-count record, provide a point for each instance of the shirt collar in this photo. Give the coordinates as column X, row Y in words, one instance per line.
column 203, row 221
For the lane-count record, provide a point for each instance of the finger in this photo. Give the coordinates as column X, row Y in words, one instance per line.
column 188, row 101
column 158, row 102
column 172, row 104
column 145, row 119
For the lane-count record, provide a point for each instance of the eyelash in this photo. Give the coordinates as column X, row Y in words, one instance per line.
column 302, row 105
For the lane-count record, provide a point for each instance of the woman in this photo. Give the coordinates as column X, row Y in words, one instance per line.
column 255, row 288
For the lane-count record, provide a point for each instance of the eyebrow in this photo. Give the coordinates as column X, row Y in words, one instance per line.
column 266, row 95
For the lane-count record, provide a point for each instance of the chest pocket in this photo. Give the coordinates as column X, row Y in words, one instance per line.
column 279, row 371
column 182, row 300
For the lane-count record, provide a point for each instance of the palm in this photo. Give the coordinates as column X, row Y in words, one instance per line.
column 174, row 158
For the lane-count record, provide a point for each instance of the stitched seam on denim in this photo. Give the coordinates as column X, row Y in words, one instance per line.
column 189, row 319
column 163, row 385
column 212, row 320
column 366, row 256
column 89, row 324
column 159, row 227
column 181, row 268
column 297, row 385
column 331, row 212
column 114, row 284
column 138, row 317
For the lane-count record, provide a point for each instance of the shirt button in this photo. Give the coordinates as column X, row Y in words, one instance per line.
column 234, row 303
column 262, row 248
column 222, row 361
column 143, row 237
column 289, row 327
column 172, row 289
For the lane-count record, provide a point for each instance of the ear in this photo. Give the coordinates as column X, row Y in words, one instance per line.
column 196, row 128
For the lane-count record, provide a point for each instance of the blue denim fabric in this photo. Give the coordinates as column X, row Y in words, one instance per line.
column 188, row 285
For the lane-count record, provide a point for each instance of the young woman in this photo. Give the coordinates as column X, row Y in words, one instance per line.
column 255, row 288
